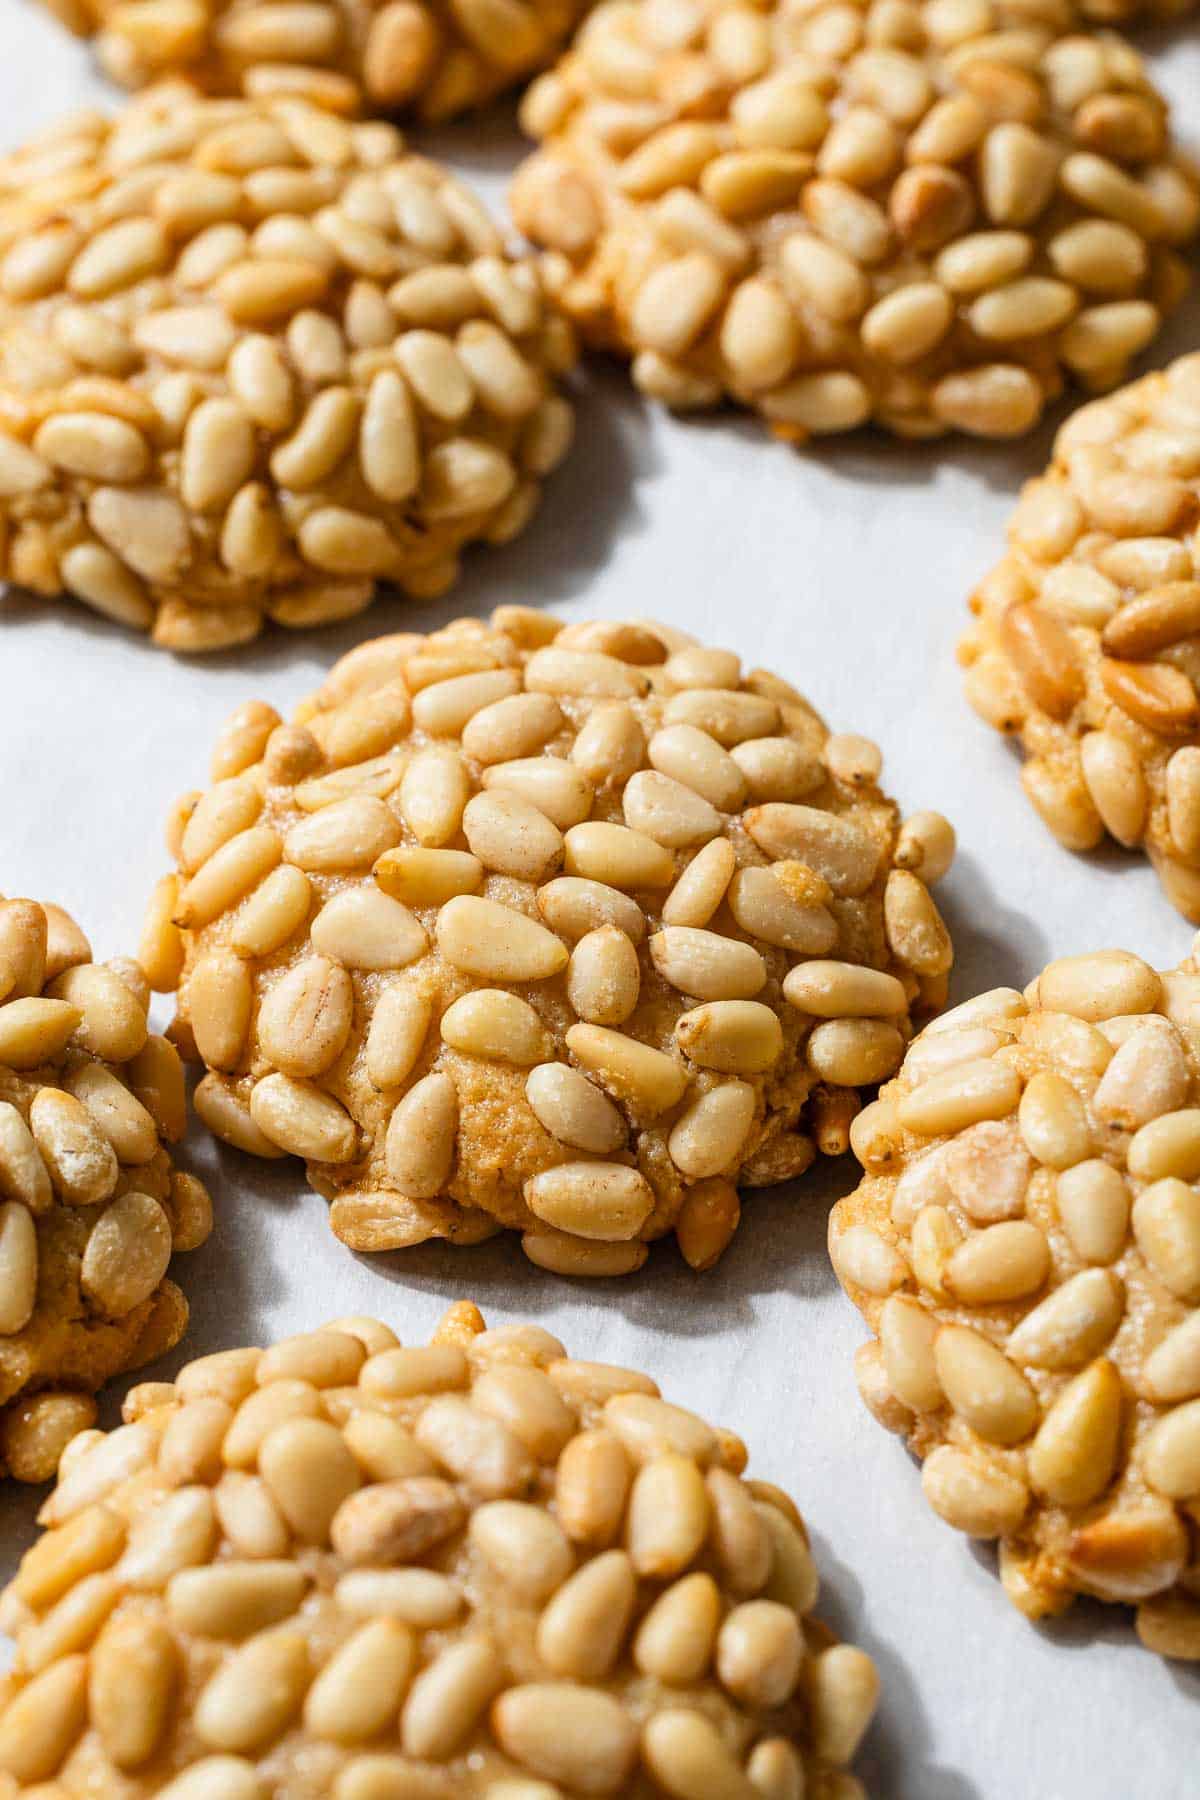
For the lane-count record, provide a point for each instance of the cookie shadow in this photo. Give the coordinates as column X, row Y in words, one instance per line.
column 896, row 1760
column 994, row 945
column 1091, row 1622
column 779, row 1247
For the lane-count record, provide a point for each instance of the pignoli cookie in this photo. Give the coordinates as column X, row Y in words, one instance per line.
column 570, row 929
column 470, row 1568
column 435, row 57
column 1085, row 645
column 1026, row 1249
column 91, row 1208
column 929, row 214
column 255, row 360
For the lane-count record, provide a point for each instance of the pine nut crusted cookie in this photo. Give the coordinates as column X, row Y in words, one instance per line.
column 924, row 213
column 90, row 1206
column 437, row 57
column 565, row 929
column 339, row 1567
column 1026, row 1248
column 255, row 360
column 1087, row 638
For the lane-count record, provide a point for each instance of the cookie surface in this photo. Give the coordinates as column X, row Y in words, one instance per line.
column 925, row 215
column 1026, row 1248
column 1086, row 635
column 565, row 929
column 474, row 1567
column 90, row 1206
column 435, row 57
column 255, row 360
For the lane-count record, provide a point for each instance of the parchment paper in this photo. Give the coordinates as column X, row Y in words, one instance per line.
column 846, row 568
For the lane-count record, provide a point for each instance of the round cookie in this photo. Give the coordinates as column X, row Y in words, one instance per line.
column 472, row 1568
column 1086, row 634
column 91, row 1208
column 568, row 929
column 928, row 214
column 255, row 360
column 1026, row 1248
column 435, row 57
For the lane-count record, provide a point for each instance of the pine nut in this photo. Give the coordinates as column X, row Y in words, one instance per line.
column 834, row 990
column 593, row 1200
column 512, row 837
column 573, row 1110
column 594, row 1743
column 708, row 1137
column 1166, row 1227
column 855, row 1052
column 592, row 1485
column 983, row 1387
column 421, row 1134
column 310, row 1472
column 573, row 906
column 633, row 1072
column 1072, row 1457
column 564, row 1254
column 617, row 856
column 362, row 929
column 302, row 1120
column 494, row 1023
column 495, row 943
column 649, row 1427
column 740, row 1037
column 1168, row 1145
column 960, row 1097
column 427, row 877
column 234, row 1599
column 524, row 1546
column 41, row 1725
column 706, row 964
column 686, row 1754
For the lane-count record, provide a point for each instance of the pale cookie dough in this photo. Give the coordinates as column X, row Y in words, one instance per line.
column 435, row 57
column 338, row 1567
column 254, row 361
column 1026, row 1248
column 1087, row 640
column 565, row 929
column 929, row 214
column 91, row 1208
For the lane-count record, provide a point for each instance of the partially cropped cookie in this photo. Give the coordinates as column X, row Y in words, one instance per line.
column 929, row 214
column 1086, row 634
column 471, row 1568
column 436, row 58
column 254, row 361
column 91, row 1208
column 569, row 929
column 1026, row 1248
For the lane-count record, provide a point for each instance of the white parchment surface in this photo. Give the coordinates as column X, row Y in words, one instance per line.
column 845, row 568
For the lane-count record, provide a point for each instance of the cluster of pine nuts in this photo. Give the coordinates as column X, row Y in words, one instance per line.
column 254, row 360
column 1026, row 1248
column 91, row 1208
column 923, row 213
column 567, row 929
column 471, row 1568
column 1087, row 640
column 435, row 57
